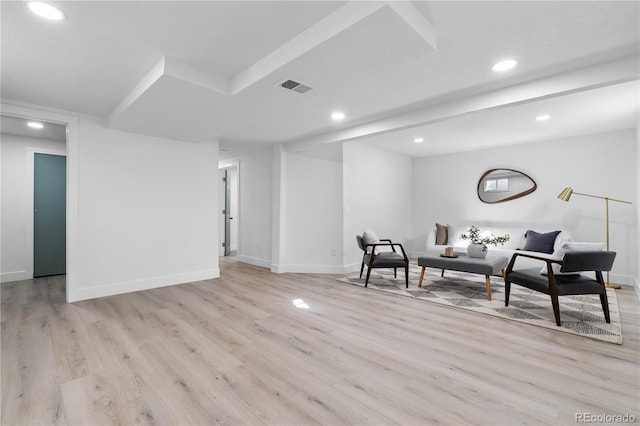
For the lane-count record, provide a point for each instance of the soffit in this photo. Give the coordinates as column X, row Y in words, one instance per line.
column 595, row 111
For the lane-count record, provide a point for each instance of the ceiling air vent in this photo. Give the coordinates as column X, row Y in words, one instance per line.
column 295, row 86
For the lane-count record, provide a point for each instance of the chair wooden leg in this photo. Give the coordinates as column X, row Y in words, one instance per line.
column 366, row 282
column 406, row 276
column 421, row 277
column 507, row 291
column 605, row 306
column 556, row 309
column 361, row 269
column 442, row 273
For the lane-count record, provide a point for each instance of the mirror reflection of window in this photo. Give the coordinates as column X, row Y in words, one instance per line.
column 496, row 185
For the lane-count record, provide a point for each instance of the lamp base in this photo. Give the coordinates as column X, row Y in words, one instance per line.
column 616, row 286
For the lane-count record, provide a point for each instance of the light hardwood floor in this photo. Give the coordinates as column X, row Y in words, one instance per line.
column 236, row 350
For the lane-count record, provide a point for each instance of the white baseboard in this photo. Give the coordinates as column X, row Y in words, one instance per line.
column 316, row 269
column 620, row 279
column 354, row 267
column 264, row 263
column 7, row 277
column 85, row 293
column 636, row 287
column 307, row 269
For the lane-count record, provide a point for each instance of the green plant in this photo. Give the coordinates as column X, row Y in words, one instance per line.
column 474, row 236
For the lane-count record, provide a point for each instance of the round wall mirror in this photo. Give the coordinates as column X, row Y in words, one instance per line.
column 499, row 185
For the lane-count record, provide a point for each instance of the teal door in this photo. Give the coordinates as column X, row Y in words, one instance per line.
column 49, row 215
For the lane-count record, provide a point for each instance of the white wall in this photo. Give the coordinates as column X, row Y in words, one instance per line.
column 147, row 211
column 13, row 202
column 255, row 207
column 377, row 195
column 605, row 164
column 311, row 241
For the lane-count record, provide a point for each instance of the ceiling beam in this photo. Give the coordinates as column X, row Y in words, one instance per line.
column 197, row 76
column 416, row 20
column 328, row 27
column 145, row 83
column 170, row 67
column 323, row 30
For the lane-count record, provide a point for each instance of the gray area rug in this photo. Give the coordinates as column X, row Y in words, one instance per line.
column 581, row 315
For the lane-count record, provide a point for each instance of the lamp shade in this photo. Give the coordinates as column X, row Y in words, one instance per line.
column 565, row 195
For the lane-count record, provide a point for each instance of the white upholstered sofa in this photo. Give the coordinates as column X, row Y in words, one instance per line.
column 517, row 241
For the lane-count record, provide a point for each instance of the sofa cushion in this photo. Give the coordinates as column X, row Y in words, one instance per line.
column 516, row 242
column 516, row 236
column 539, row 242
column 563, row 237
column 442, row 236
column 459, row 245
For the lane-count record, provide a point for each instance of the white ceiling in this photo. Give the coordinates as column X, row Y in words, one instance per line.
column 18, row 126
column 202, row 70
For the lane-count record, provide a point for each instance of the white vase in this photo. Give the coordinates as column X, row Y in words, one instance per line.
column 477, row 250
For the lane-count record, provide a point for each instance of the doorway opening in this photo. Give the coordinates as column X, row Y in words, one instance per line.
column 34, row 184
column 39, row 196
column 228, row 202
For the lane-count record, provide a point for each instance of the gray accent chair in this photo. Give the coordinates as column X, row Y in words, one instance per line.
column 385, row 259
column 563, row 285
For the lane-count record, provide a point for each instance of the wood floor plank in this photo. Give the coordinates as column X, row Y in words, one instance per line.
column 237, row 350
column 267, row 397
column 191, row 392
column 75, row 355
column 183, row 335
column 30, row 387
column 95, row 399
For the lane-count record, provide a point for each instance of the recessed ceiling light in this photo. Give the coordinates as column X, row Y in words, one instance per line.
column 46, row 10
column 504, row 65
column 338, row 116
column 418, row 140
column 35, row 125
column 543, row 117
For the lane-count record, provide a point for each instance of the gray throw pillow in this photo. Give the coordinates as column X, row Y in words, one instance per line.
column 370, row 237
column 442, row 237
column 542, row 243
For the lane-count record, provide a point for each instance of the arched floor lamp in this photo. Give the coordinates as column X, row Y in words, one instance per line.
column 565, row 195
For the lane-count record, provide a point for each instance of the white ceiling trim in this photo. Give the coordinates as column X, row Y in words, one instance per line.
column 585, row 79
